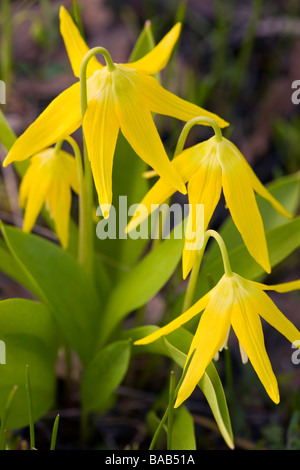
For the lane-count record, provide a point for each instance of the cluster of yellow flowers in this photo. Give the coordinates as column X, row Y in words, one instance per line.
column 122, row 97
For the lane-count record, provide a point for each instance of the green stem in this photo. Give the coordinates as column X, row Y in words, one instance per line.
column 29, row 399
column 187, row 127
column 58, row 147
column 86, row 228
column 6, row 46
column 171, row 403
column 4, row 417
column 54, row 433
column 223, row 249
column 171, row 411
column 190, row 291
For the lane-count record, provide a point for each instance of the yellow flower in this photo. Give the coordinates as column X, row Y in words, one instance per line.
column 49, row 178
column 208, row 167
column 120, row 97
column 237, row 302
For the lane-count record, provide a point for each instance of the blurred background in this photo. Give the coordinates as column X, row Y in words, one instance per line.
column 235, row 58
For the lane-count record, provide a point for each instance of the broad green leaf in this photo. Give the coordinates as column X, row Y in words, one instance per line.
column 143, row 282
column 176, row 345
column 10, row 266
column 60, row 282
column 103, row 375
column 29, row 333
column 183, row 436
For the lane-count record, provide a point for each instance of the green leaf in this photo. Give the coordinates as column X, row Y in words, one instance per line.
column 57, row 280
column 30, row 337
column 7, row 135
column 143, row 282
column 144, row 43
column 103, row 375
column 210, row 383
column 183, row 436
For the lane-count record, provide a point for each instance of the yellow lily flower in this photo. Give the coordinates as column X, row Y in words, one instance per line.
column 120, row 97
column 237, row 302
column 49, row 178
column 208, row 167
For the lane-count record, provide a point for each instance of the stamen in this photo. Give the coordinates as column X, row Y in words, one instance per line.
column 244, row 356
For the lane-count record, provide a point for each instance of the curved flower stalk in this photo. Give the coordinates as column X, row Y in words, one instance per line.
column 120, row 97
column 50, row 177
column 209, row 167
column 237, row 302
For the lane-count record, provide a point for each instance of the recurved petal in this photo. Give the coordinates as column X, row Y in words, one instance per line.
column 69, row 167
column 209, row 338
column 247, row 326
column 159, row 56
column 162, row 101
column 186, row 163
column 101, row 129
column 60, row 119
column 204, row 189
column 26, row 183
column 179, row 321
column 263, row 192
column 138, row 128
column 37, row 188
column 242, row 204
column 284, row 287
column 59, row 201
column 75, row 45
column 269, row 311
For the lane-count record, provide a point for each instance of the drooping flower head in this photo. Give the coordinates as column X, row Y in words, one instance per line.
column 238, row 303
column 120, row 97
column 209, row 167
column 50, row 177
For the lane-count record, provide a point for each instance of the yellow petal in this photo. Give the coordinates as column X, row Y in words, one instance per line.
column 138, row 127
column 101, row 129
column 59, row 201
column 204, row 188
column 284, row 287
column 161, row 101
column 173, row 325
column 186, row 164
column 75, row 45
column 247, row 326
column 159, row 56
column 263, row 192
column 26, row 182
column 209, row 338
column 37, row 193
column 60, row 119
column 242, row 204
column 70, row 170
column 268, row 310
